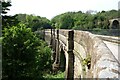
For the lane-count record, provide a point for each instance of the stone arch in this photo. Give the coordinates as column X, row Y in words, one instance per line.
column 62, row 60
column 115, row 24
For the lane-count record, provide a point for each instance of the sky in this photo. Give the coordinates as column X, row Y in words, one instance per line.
column 51, row 8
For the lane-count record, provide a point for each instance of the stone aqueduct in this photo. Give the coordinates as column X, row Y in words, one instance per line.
column 114, row 23
column 81, row 54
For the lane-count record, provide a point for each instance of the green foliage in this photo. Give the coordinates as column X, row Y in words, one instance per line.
column 7, row 21
column 84, row 21
column 34, row 22
column 65, row 22
column 5, row 6
column 59, row 76
column 86, row 62
column 96, row 29
column 24, row 55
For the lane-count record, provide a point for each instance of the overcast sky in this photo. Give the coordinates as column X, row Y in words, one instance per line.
column 51, row 8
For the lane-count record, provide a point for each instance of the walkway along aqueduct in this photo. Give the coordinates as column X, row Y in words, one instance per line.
column 82, row 55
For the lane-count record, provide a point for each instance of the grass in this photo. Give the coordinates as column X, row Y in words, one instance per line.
column 58, row 76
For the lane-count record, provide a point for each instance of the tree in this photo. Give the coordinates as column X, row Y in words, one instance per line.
column 7, row 21
column 5, row 6
column 66, row 22
column 84, row 21
column 34, row 22
column 63, row 21
column 24, row 55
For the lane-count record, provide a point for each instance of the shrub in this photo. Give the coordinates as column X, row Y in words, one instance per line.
column 24, row 55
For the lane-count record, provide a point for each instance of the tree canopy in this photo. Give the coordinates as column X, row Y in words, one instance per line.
column 80, row 20
column 34, row 22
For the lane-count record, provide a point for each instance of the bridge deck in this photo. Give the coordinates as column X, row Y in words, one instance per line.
column 114, row 48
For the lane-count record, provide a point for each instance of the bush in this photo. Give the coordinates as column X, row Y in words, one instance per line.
column 24, row 55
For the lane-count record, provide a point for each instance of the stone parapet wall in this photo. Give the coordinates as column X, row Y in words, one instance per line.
column 102, row 62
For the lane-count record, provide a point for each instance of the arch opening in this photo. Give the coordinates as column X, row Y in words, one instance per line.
column 115, row 24
column 62, row 60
